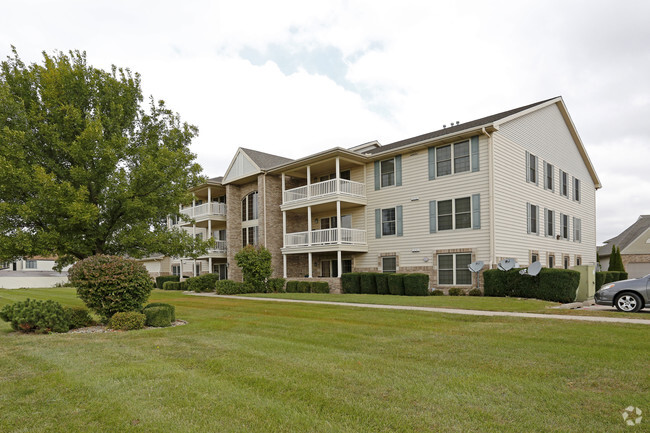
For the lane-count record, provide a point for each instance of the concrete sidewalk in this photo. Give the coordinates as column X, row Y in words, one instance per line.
column 439, row 310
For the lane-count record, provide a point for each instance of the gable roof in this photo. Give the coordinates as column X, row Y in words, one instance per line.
column 628, row 236
column 248, row 163
column 456, row 128
column 265, row 160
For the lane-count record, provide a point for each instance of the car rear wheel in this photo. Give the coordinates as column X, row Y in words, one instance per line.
column 628, row 303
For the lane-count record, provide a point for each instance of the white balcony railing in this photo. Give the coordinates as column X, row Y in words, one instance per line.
column 325, row 237
column 220, row 247
column 205, row 209
column 323, row 189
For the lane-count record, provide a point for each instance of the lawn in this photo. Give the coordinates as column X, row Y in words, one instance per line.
column 242, row 366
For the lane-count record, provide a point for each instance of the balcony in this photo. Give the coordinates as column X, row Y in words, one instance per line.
column 205, row 210
column 220, row 248
column 322, row 191
column 351, row 239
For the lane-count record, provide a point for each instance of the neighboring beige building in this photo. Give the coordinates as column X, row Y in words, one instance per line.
column 634, row 243
column 515, row 184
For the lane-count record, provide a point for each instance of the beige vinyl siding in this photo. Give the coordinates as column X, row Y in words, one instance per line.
column 357, row 214
column 414, row 195
column 544, row 134
column 641, row 245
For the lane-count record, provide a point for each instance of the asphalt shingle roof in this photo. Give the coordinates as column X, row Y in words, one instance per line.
column 627, row 236
column 454, row 128
column 265, row 160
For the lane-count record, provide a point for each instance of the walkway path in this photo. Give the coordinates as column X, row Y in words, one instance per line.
column 440, row 310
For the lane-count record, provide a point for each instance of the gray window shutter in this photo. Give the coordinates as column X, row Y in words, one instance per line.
column 432, row 217
column 377, row 223
column 545, row 173
column 432, row 163
column 475, row 162
column 553, row 176
column 398, row 220
column 574, row 228
column 546, row 222
column 539, row 229
column 536, row 173
column 527, row 171
column 398, row 170
column 476, row 211
column 528, row 215
column 377, row 176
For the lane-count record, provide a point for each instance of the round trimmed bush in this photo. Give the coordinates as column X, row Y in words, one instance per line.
column 171, row 308
column 111, row 284
column 456, row 291
column 159, row 317
column 127, row 321
column 475, row 292
column 78, row 317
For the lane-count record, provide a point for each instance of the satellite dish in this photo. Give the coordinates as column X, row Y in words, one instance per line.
column 534, row 268
column 506, row 264
column 476, row 266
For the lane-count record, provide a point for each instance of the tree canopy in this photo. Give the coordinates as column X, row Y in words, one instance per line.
column 84, row 168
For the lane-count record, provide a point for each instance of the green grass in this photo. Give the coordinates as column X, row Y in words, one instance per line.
column 518, row 305
column 242, row 366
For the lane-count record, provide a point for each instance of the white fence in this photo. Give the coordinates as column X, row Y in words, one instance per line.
column 325, row 237
column 205, row 209
column 325, row 188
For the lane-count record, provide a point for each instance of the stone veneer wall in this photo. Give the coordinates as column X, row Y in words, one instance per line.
column 270, row 218
column 233, row 229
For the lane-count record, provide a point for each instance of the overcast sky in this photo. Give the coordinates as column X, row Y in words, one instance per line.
column 296, row 77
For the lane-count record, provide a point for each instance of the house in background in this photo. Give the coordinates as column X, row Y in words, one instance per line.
column 37, row 271
column 31, row 264
column 518, row 184
column 634, row 243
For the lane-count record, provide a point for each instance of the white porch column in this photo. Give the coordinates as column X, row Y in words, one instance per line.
column 284, row 228
column 193, row 205
column 209, row 265
column 194, row 266
column 283, row 187
column 209, row 236
column 340, row 264
column 308, row 181
column 209, row 195
column 310, row 265
column 181, row 268
column 284, row 265
column 338, row 222
column 338, row 175
column 309, row 226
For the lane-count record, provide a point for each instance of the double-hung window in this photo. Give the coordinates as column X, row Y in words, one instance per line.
column 577, row 229
column 387, row 172
column 389, row 264
column 564, row 226
column 576, row 189
column 455, row 214
column 249, row 207
column 453, row 270
column 564, row 183
column 388, row 221
column 456, row 156
column 549, row 176
column 250, row 236
column 550, row 222
column 531, row 168
column 533, row 218
column 30, row 264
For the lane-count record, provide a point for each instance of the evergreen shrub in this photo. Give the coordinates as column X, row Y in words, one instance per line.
column 367, row 282
column 275, row 285
column 171, row 308
column 41, row 317
column 456, row 291
column 78, row 317
column 416, row 284
column 159, row 317
column 202, row 283
column 229, row 287
column 127, row 321
column 292, row 287
column 396, row 284
column 304, row 286
column 381, row 281
column 320, row 287
column 350, row 282
column 160, row 281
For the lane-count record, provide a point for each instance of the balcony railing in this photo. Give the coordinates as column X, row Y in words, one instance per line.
column 205, row 209
column 221, row 247
column 323, row 189
column 325, row 237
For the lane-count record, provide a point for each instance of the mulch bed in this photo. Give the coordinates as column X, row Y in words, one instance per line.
column 102, row 328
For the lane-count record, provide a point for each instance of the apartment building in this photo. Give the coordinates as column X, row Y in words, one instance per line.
column 517, row 184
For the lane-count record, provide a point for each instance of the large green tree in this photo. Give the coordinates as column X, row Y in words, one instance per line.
column 84, row 168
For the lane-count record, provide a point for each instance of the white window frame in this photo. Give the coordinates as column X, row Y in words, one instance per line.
column 454, row 270
column 549, row 176
column 576, row 189
column 453, row 158
column 176, row 270
column 533, row 215
column 31, row 264
column 564, row 229
column 577, row 229
column 254, row 196
column 388, row 270
column 549, row 217
column 387, row 221
column 532, row 165
column 564, row 183
column 454, row 214
column 391, row 175
column 256, row 236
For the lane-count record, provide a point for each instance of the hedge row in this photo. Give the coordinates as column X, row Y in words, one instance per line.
column 609, row 277
column 162, row 279
column 307, row 287
column 385, row 284
column 557, row 285
column 174, row 285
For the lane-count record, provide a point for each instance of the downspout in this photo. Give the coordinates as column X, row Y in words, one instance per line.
column 491, row 195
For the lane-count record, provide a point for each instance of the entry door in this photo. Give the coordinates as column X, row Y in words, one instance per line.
column 220, row 269
column 329, row 268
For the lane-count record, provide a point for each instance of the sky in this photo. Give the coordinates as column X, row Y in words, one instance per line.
column 296, row 77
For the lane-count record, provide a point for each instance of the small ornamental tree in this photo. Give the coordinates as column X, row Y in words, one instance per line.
column 111, row 284
column 255, row 264
column 615, row 260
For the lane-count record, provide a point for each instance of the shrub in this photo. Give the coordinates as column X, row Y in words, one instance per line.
column 160, row 281
column 320, row 287
column 255, row 264
column 350, row 283
column 174, row 285
column 367, row 282
column 292, row 287
column 111, row 284
column 615, row 260
column 623, row 276
column 396, row 284
column 160, row 317
column 127, row 320
column 436, row 292
column 78, row 317
column 456, row 291
column 276, row 285
column 304, row 286
column 416, row 284
column 171, row 308
column 475, row 292
column 600, row 279
column 36, row 316
column 381, row 281
column 230, row 287
column 202, row 283
column 558, row 285
column 494, row 282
